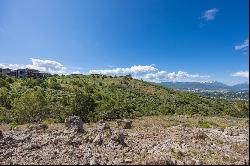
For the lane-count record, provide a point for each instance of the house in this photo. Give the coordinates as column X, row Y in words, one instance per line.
column 38, row 75
column 22, row 73
column 6, row 72
column 96, row 75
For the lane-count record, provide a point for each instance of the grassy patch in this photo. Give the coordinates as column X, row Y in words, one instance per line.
column 49, row 121
column 206, row 124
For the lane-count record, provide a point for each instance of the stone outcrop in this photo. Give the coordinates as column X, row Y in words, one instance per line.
column 74, row 123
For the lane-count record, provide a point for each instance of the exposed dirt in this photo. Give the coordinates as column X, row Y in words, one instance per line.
column 150, row 140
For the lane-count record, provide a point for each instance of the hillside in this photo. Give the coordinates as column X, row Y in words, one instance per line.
column 101, row 97
column 243, row 86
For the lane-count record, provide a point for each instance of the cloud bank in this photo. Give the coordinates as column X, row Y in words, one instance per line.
column 47, row 66
column 162, row 76
column 150, row 73
column 134, row 70
column 146, row 72
column 244, row 74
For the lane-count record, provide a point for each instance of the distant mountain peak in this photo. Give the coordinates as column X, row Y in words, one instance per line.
column 209, row 82
column 206, row 85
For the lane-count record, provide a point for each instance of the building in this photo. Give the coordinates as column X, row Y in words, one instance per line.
column 22, row 73
column 4, row 72
column 96, row 75
column 37, row 75
column 7, row 72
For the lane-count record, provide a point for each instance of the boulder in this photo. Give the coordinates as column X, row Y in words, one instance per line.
column 103, row 127
column 38, row 127
column 200, row 136
column 125, row 124
column 118, row 138
column 93, row 161
column 231, row 132
column 74, row 123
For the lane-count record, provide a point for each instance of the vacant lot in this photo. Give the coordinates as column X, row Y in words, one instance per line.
column 150, row 140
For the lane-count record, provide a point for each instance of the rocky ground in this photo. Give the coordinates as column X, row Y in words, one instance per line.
column 148, row 140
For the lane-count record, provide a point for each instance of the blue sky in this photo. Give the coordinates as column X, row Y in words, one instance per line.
column 151, row 39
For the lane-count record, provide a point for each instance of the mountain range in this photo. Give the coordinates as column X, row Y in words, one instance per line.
column 205, row 86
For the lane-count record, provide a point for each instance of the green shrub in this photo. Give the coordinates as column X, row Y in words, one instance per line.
column 13, row 125
column 30, row 107
column 205, row 124
column 49, row 121
column 53, row 83
column 5, row 98
column 4, row 83
column 83, row 104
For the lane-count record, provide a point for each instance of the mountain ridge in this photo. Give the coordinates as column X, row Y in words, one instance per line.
column 212, row 86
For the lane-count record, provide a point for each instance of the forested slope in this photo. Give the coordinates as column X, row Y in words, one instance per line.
column 101, row 97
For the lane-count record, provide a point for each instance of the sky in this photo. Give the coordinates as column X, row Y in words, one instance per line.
column 153, row 40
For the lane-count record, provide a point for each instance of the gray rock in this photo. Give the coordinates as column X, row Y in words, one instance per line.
column 200, row 136
column 179, row 152
column 38, row 127
column 125, row 124
column 235, row 133
column 22, row 137
column 232, row 132
column 93, row 161
column 128, row 161
column 74, row 123
column 118, row 138
column 173, row 161
column 103, row 127
column 98, row 140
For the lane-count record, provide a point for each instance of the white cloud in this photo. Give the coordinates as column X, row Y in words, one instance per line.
column 242, row 46
column 162, row 76
column 47, row 66
column 244, row 74
column 147, row 72
column 76, row 72
column 134, row 70
column 13, row 66
column 151, row 73
column 210, row 14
